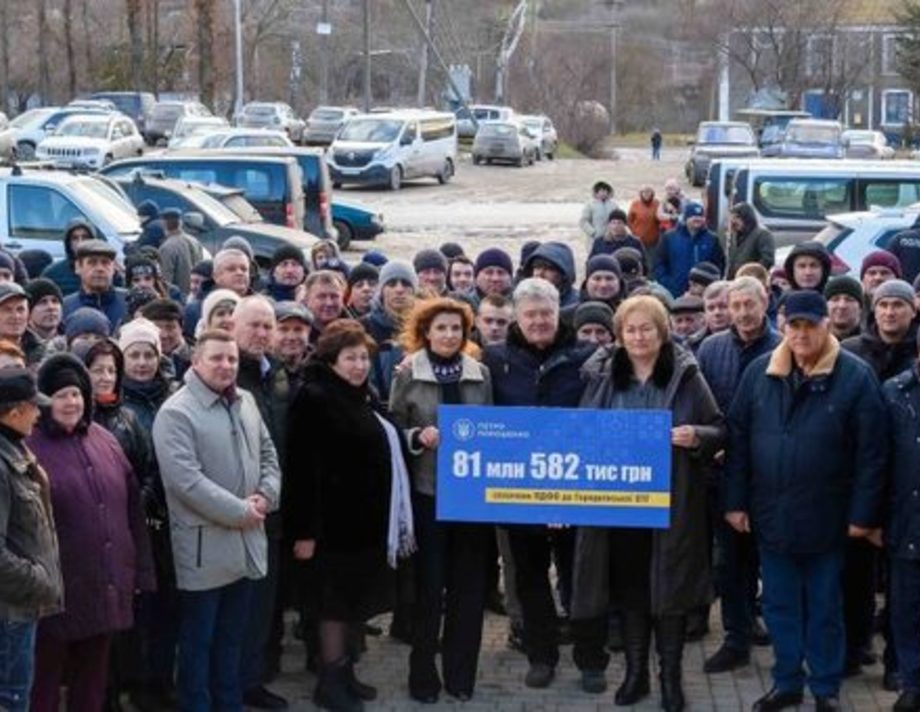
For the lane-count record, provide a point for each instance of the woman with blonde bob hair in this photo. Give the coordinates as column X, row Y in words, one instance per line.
column 654, row 576
column 451, row 556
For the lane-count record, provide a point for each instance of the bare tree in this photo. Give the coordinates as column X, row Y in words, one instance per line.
column 68, row 47
column 204, row 21
column 44, row 31
column 4, row 57
column 133, row 17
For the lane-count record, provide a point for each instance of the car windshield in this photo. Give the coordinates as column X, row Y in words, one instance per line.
column 500, row 130
column 202, row 200
column 188, row 128
column 242, row 209
column 327, row 114
column 741, row 135
column 119, row 213
column 169, row 112
column 860, row 136
column 375, row 130
column 485, row 114
column 84, row 128
column 259, row 110
column 33, row 117
column 125, row 103
column 812, row 134
column 535, row 124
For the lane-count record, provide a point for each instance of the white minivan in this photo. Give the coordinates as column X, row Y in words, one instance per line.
column 386, row 149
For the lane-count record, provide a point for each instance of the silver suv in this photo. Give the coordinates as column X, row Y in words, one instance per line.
column 719, row 139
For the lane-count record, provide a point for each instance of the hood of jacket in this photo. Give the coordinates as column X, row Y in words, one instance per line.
column 87, row 354
column 747, row 215
column 559, row 255
column 48, row 368
column 71, row 226
column 811, row 249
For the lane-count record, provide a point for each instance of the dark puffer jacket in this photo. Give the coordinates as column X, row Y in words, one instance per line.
column 561, row 256
column 62, row 272
column 902, row 518
column 886, row 360
column 752, row 243
column 679, row 251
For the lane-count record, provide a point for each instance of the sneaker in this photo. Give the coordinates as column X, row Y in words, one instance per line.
column 539, row 675
column 594, row 682
column 726, row 659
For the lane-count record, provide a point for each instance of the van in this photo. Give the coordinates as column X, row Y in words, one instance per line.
column 481, row 112
column 792, row 199
column 386, row 149
column 271, row 183
column 136, row 104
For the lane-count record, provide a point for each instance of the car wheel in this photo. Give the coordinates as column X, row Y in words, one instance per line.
column 550, row 155
column 520, row 161
column 476, row 160
column 447, row 172
column 336, row 185
column 539, row 155
column 345, row 233
column 26, row 151
column 396, row 176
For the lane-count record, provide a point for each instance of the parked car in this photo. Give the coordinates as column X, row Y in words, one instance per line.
column 272, row 115
column 386, row 149
column 506, row 141
column 7, row 139
column 849, row 237
column 100, row 104
column 194, row 127
column 324, row 123
column 481, row 112
column 272, row 184
column 136, row 104
column 866, row 144
column 808, row 138
column 31, row 127
column 542, row 127
column 166, row 114
column 242, row 138
column 209, row 219
column 91, row 141
column 37, row 205
column 354, row 221
column 718, row 139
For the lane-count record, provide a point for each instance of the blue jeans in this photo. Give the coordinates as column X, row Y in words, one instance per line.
column 17, row 663
column 905, row 615
column 210, row 647
column 803, row 609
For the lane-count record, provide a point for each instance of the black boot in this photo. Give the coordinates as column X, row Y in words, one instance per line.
column 669, row 639
column 637, row 631
column 359, row 689
column 333, row 691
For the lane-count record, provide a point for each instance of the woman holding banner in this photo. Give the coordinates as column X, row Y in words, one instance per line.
column 654, row 576
column 451, row 556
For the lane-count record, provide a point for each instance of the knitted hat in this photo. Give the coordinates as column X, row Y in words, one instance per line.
column 288, row 252
column 704, row 273
column 693, row 210
column 603, row 263
column 429, row 259
column 140, row 266
column 451, row 250
column 593, row 313
column 629, row 259
column 880, row 258
column 63, row 370
column 237, row 242
column 7, row 262
column 844, row 285
column 361, row 272
column 205, row 269
column 147, row 209
column 38, row 289
column 493, row 257
column 163, row 310
column 337, row 265
column 397, row 269
column 139, row 331
column 35, row 261
column 139, row 297
column 375, row 257
column 617, row 214
column 86, row 320
column 893, row 289
column 214, row 298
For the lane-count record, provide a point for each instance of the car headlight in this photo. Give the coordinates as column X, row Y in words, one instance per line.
column 383, row 154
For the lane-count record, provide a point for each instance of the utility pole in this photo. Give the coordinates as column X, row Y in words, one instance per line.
column 509, row 43
column 238, row 32
column 423, row 59
column 323, row 30
column 614, row 7
column 366, row 10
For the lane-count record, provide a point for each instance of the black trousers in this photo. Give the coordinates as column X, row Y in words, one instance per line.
column 532, row 548
column 450, row 583
column 858, row 595
column 261, row 620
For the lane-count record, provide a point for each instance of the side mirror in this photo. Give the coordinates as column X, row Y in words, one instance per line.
column 406, row 140
column 194, row 220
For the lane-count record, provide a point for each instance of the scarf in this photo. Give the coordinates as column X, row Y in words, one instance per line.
column 400, row 529
column 446, row 370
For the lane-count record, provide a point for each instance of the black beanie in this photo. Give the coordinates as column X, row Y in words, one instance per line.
column 617, row 214
column 38, row 289
column 363, row 271
column 429, row 259
column 288, row 252
column 603, row 263
column 593, row 313
column 61, row 371
column 844, row 285
column 451, row 250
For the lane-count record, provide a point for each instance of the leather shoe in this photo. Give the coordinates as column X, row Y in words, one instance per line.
column 263, row 699
column 726, row 659
column 908, row 702
column 826, row 704
column 759, row 636
column 539, row 675
column 777, row 700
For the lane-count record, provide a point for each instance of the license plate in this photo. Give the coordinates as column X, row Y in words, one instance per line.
column 349, row 171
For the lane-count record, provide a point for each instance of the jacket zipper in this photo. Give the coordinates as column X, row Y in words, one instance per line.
column 198, row 556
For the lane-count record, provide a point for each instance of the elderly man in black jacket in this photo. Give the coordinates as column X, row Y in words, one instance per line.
column 30, row 576
column 539, row 365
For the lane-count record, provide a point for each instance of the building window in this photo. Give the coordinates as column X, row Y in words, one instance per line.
column 890, row 54
column 897, row 107
column 820, row 55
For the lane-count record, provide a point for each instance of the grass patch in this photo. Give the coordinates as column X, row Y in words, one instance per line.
column 638, row 139
column 564, row 150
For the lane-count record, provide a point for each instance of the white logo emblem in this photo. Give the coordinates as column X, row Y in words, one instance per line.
column 351, row 155
column 464, row 429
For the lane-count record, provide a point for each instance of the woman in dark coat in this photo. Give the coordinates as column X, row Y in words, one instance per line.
column 452, row 556
column 105, row 554
column 654, row 576
column 340, row 512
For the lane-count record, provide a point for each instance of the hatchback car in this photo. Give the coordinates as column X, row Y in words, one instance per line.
column 542, row 127
column 506, row 141
column 324, row 123
column 718, row 139
column 272, row 115
column 808, row 138
column 91, row 141
column 7, row 140
column 866, row 144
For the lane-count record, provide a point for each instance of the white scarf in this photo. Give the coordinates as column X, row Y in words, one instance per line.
column 400, row 528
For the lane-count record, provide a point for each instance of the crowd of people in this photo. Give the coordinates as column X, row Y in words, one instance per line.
column 191, row 449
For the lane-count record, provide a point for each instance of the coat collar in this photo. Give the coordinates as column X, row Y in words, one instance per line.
column 422, row 370
column 201, row 391
column 781, row 360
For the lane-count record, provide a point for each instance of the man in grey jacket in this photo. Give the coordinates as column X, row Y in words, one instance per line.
column 220, row 471
column 30, row 574
column 596, row 213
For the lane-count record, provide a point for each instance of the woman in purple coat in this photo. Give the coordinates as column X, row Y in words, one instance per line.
column 105, row 555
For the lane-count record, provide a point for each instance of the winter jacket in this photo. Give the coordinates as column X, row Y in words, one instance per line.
column 30, row 571
column 111, row 303
column 906, row 247
column 886, row 360
column 811, row 249
column 213, row 454
column 179, row 252
column 679, row 571
column 594, row 217
column 902, row 518
column 339, row 484
column 679, row 251
column 642, row 219
column 605, row 246
column 805, row 458
column 62, row 272
column 283, row 293
column 105, row 551
column 752, row 243
column 384, row 329
column 561, row 256
column 414, row 401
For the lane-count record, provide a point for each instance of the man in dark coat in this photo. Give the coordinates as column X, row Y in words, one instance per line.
column 688, row 244
column 554, row 262
column 62, row 272
column 845, row 305
column 902, row 529
column 808, row 266
column 539, row 365
column 723, row 358
column 617, row 236
column 805, row 470
column 748, row 241
column 906, row 247
column 96, row 267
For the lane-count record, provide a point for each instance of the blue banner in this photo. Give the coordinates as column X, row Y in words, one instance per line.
column 554, row 466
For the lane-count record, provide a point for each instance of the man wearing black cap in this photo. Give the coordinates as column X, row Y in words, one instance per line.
column 288, row 270
column 702, row 274
column 616, row 236
column 362, row 285
column 805, row 471
column 179, row 252
column 45, row 300
column 31, row 586
column 14, row 322
column 686, row 317
column 96, row 267
column 594, row 215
